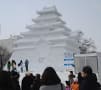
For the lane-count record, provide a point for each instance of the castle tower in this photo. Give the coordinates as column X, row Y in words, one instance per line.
column 46, row 43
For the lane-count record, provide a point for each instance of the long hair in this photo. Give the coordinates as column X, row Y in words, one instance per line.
column 50, row 77
column 88, row 70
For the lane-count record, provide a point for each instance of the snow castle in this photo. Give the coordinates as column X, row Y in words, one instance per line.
column 47, row 43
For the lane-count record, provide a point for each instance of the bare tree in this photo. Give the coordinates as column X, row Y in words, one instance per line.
column 4, row 56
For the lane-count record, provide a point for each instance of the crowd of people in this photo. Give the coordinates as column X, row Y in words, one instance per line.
column 49, row 80
column 11, row 65
column 85, row 80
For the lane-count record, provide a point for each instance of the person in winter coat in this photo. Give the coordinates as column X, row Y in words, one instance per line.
column 50, row 80
column 80, row 78
column 9, row 66
column 15, row 80
column 21, row 65
column 71, row 77
column 75, row 85
column 68, row 85
column 5, row 81
column 89, row 79
column 36, row 82
column 14, row 65
column 27, row 81
column 26, row 64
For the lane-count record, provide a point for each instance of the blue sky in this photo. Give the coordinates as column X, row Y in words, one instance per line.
column 82, row 15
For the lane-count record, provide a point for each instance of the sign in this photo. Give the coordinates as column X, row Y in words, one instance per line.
column 68, row 59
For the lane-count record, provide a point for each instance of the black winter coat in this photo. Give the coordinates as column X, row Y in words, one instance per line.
column 88, row 83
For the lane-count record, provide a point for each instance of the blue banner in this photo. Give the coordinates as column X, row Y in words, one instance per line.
column 69, row 65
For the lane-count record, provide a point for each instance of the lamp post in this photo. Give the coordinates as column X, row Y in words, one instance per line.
column 1, row 62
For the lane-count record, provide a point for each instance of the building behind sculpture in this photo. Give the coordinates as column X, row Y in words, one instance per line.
column 89, row 59
column 47, row 43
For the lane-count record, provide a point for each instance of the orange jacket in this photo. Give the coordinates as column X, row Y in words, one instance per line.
column 75, row 86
